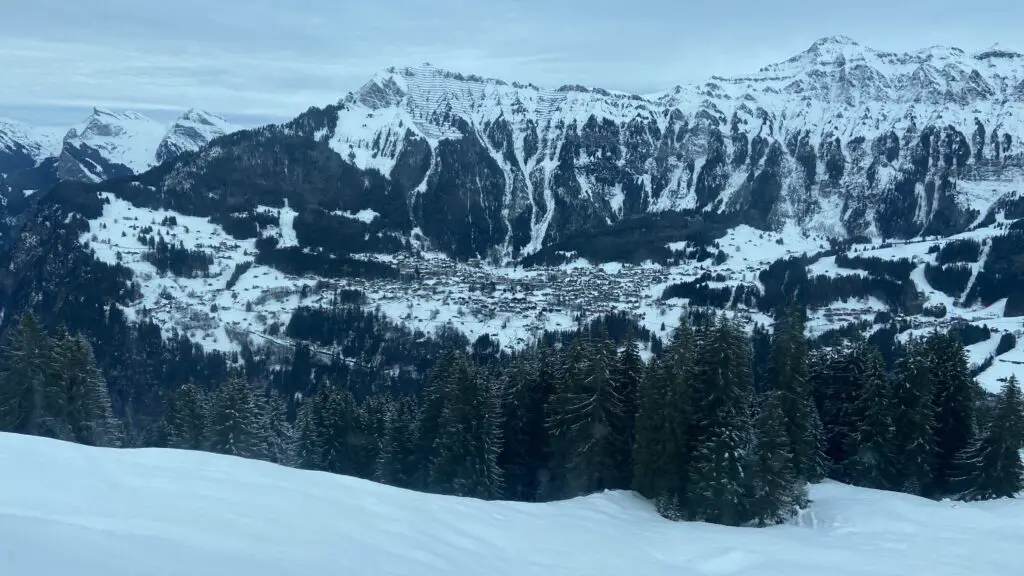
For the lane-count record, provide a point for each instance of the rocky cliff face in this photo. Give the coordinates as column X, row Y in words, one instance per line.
column 840, row 139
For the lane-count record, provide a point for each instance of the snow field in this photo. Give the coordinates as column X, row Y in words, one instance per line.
column 66, row 508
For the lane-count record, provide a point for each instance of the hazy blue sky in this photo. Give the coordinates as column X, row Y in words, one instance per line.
column 270, row 59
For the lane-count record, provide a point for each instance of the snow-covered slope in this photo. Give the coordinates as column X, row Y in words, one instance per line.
column 193, row 130
column 104, row 145
column 66, row 508
column 111, row 143
column 126, row 138
column 34, row 142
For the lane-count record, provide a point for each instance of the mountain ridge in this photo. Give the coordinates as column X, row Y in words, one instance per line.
column 821, row 107
column 104, row 145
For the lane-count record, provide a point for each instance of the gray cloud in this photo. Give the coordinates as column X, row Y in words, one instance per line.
column 271, row 59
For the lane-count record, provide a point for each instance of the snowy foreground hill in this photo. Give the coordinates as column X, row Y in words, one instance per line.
column 66, row 509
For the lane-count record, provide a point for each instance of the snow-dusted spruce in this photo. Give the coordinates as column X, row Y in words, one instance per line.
column 776, row 491
column 188, row 418
column 399, row 462
column 52, row 387
column 722, row 427
column 790, row 378
column 915, row 419
column 874, row 463
column 664, row 418
column 992, row 463
column 234, row 426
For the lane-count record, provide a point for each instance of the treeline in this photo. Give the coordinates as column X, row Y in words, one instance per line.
column 888, row 281
column 298, row 261
column 717, row 427
column 554, row 423
column 642, row 238
column 175, row 259
column 1002, row 275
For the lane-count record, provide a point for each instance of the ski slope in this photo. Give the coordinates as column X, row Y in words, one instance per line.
column 69, row 509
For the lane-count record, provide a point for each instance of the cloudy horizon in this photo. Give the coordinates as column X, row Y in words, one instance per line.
column 263, row 60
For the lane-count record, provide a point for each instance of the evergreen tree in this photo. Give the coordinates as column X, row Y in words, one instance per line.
column 187, row 419
column 99, row 426
column 76, row 404
column 63, row 386
column 842, row 380
column 663, row 422
column 337, row 431
column 913, row 431
column 789, row 375
column 399, row 463
column 23, row 377
column 874, row 465
column 992, row 464
column 722, row 426
column 563, row 420
column 469, row 435
column 582, row 418
column 234, row 425
column 775, row 491
column 373, row 418
column 953, row 402
column 649, row 453
column 628, row 373
column 278, row 434
column 526, row 386
column 309, row 445
column 435, row 395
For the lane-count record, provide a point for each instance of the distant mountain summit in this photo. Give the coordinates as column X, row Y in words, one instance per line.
column 106, row 144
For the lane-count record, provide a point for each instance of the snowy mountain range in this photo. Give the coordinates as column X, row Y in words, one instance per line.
column 802, row 179
column 105, row 145
column 841, row 140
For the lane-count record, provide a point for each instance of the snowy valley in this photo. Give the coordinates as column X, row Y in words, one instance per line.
column 543, row 322
column 513, row 305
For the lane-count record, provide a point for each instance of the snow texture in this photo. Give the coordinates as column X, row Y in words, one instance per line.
column 71, row 509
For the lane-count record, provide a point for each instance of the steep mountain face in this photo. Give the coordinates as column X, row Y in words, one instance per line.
column 105, row 145
column 841, row 140
column 23, row 146
column 22, row 149
column 110, row 144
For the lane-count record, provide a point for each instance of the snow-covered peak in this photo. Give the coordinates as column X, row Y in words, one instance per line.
column 838, row 71
column 384, row 90
column 191, row 131
column 107, row 142
column 36, row 142
column 126, row 138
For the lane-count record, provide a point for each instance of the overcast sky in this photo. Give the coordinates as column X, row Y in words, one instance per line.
column 266, row 60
